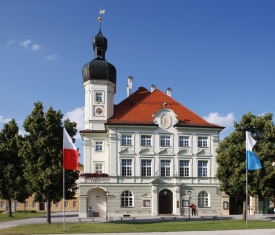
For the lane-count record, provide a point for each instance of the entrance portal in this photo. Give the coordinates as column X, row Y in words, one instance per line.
column 165, row 202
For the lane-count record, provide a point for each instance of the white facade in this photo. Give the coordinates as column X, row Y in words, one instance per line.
column 145, row 161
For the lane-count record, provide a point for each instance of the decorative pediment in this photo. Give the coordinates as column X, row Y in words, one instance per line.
column 158, row 181
column 146, row 195
column 147, row 152
column 185, row 152
column 127, row 151
column 204, row 153
column 166, row 152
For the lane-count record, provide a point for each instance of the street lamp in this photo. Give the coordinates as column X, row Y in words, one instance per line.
column 189, row 194
column 107, row 194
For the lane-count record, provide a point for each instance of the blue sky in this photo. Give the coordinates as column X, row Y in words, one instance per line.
column 217, row 56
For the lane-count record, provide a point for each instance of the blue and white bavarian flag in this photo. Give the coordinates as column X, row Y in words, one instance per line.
column 252, row 160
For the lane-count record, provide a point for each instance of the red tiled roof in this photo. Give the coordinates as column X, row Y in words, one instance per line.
column 139, row 107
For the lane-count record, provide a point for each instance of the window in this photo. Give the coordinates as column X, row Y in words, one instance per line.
column 126, row 140
column 126, row 199
column 146, row 167
column 57, row 204
column 74, row 203
column 126, row 167
column 2, row 204
column 165, row 168
column 203, row 199
column 98, row 145
column 33, row 204
column 184, row 141
column 26, row 204
column 98, row 168
column 66, row 204
column 146, row 140
column 16, row 204
column 202, row 168
column 184, row 168
column 146, row 203
column 165, row 141
column 98, row 97
column 202, row 141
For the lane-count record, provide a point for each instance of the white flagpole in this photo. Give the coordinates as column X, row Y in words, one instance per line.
column 246, row 203
column 64, row 224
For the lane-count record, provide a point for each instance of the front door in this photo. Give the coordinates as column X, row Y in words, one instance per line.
column 165, row 202
column 41, row 206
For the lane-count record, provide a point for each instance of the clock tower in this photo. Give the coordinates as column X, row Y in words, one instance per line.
column 99, row 81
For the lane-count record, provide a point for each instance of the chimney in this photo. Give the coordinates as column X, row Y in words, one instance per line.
column 130, row 86
column 153, row 87
column 169, row 91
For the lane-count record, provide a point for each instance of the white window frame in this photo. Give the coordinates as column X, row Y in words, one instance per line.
column 127, row 167
column 66, row 204
column 165, row 141
column 98, row 94
column 33, row 204
column 126, row 139
column 146, row 203
column 184, row 169
column 146, row 140
column 2, row 204
column 74, row 204
column 26, row 204
column 202, row 168
column 146, row 167
column 203, row 199
column 127, row 199
column 97, row 164
column 99, row 145
column 185, row 140
column 57, row 204
column 165, row 168
column 203, row 142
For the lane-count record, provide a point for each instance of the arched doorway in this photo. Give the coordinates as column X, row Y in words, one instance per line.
column 165, row 202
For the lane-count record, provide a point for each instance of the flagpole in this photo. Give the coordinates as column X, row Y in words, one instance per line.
column 64, row 223
column 246, row 204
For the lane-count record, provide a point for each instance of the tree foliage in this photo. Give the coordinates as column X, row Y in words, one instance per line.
column 42, row 151
column 232, row 158
column 12, row 182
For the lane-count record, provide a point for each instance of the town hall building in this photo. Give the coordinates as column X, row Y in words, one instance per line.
column 146, row 156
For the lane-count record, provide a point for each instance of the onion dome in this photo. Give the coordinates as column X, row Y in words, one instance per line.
column 99, row 68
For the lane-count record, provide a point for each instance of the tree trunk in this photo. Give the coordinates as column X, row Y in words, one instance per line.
column 49, row 208
column 10, row 213
column 244, row 210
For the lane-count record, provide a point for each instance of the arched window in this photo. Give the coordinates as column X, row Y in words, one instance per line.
column 203, row 199
column 126, row 199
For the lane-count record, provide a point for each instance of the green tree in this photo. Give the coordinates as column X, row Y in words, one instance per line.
column 231, row 158
column 12, row 182
column 42, row 151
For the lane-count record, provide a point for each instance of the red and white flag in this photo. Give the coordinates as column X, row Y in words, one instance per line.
column 70, row 153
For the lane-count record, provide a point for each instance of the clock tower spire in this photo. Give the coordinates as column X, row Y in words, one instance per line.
column 99, row 81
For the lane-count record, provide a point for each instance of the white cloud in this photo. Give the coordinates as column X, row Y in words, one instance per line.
column 51, row 57
column 10, row 42
column 77, row 116
column 4, row 120
column 27, row 44
column 225, row 121
column 215, row 118
column 35, row 47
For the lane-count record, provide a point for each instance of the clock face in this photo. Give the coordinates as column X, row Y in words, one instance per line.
column 99, row 110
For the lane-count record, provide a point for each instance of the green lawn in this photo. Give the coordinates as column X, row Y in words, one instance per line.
column 18, row 215
column 128, row 227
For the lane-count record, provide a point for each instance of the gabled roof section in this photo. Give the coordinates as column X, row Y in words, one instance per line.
column 139, row 107
column 126, row 151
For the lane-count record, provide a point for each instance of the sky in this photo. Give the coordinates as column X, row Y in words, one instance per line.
column 217, row 56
